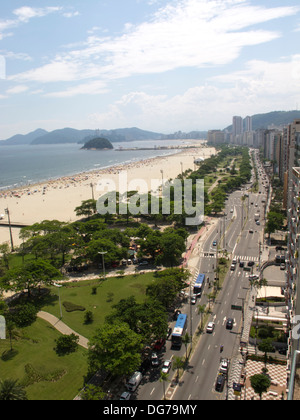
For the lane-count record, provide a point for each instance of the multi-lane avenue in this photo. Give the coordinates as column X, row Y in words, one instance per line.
column 241, row 236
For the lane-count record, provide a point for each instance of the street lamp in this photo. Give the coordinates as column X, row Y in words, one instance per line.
column 60, row 308
column 103, row 265
column 9, row 224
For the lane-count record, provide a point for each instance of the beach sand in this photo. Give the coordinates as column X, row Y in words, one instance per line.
column 57, row 199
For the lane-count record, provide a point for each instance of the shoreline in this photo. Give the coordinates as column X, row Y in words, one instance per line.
column 57, row 199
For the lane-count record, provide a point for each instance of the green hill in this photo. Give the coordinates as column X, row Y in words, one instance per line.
column 98, row 143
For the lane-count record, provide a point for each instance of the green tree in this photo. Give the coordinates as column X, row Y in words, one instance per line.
column 67, row 344
column 92, row 393
column 266, row 346
column 87, row 208
column 260, row 383
column 115, row 348
column 29, row 276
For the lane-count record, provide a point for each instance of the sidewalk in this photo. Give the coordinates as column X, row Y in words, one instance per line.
column 62, row 327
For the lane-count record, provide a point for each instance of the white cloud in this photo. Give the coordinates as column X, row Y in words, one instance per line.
column 91, row 88
column 191, row 33
column 262, row 87
column 17, row 89
column 24, row 14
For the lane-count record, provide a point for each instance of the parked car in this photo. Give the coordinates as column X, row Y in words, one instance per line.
column 159, row 344
column 193, row 299
column 134, row 381
column 166, row 366
column 224, row 366
column 220, row 382
column 154, row 360
column 125, row 396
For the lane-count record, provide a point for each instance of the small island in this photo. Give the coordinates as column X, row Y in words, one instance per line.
column 98, row 143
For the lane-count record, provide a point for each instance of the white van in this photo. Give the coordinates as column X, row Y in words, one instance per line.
column 134, row 381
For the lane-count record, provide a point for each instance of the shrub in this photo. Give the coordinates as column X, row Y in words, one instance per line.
column 70, row 307
column 66, row 344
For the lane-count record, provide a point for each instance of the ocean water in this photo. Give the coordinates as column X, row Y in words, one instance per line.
column 25, row 165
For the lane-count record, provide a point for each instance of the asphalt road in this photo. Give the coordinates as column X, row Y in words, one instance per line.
column 237, row 233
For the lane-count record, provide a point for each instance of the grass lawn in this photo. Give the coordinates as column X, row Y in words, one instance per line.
column 34, row 361
column 109, row 293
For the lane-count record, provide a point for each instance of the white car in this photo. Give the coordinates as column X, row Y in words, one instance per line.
column 210, row 327
column 224, row 366
column 166, row 366
column 193, row 299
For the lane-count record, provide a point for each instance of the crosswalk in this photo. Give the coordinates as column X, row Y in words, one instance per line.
column 240, row 258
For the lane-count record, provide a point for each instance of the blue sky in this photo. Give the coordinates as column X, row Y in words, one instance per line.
column 155, row 64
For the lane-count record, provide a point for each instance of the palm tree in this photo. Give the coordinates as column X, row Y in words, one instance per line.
column 186, row 339
column 164, row 377
column 201, row 310
column 11, row 390
column 178, row 364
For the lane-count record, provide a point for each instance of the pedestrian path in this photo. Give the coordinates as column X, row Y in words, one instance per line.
column 62, row 327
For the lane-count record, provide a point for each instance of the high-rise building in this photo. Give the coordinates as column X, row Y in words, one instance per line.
column 248, row 123
column 237, row 126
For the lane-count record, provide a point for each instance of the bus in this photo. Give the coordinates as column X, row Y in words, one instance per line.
column 179, row 330
column 199, row 284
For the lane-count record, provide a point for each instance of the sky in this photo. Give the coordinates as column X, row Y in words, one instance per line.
column 159, row 65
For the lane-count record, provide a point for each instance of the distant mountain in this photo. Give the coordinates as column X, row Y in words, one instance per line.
column 65, row 135
column 71, row 135
column 124, row 134
column 270, row 119
column 276, row 118
column 21, row 139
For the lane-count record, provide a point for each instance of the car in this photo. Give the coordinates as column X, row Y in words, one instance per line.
column 125, row 396
column 176, row 314
column 229, row 324
column 250, row 230
column 220, row 382
column 250, row 264
column 210, row 327
column 234, row 261
column 242, row 264
column 159, row 344
column 231, row 210
column 224, row 366
column 193, row 299
column 142, row 263
column 232, row 267
column 282, row 266
column 214, row 243
column 166, row 366
column 154, row 360
column 257, row 222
